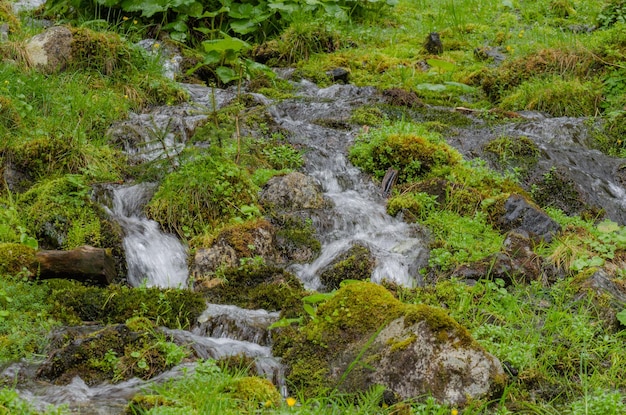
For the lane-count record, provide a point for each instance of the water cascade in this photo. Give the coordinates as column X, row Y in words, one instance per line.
column 359, row 213
column 153, row 258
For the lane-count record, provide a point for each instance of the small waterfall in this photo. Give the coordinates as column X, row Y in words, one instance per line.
column 152, row 257
column 359, row 214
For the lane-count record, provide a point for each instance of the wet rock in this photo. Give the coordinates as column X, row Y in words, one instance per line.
column 519, row 213
column 402, row 98
column 16, row 179
column 252, row 239
column 556, row 188
column 145, row 136
column 296, row 240
column 433, row 44
column 51, row 50
column 229, row 321
column 255, row 286
column 357, row 263
column 608, row 295
column 291, row 192
column 339, row 75
column 620, row 175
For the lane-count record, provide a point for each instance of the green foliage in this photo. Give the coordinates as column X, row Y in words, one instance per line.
column 612, row 13
column 408, row 147
column 519, row 154
column 283, row 157
column 25, row 318
column 203, row 194
column 419, row 205
column 461, row 239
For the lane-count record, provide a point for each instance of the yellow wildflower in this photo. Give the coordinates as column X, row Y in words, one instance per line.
column 125, row 18
column 290, row 401
column 521, row 34
column 454, row 412
column 125, row 96
column 135, row 21
column 157, row 45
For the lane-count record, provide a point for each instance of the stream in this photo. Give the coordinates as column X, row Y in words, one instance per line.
column 358, row 215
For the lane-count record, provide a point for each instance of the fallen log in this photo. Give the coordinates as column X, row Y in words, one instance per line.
column 85, row 264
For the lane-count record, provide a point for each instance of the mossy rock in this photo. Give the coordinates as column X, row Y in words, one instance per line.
column 202, row 194
column 555, row 188
column 113, row 353
column 14, row 258
column 509, row 153
column 356, row 263
column 62, row 215
column 333, row 349
column 257, row 286
column 102, row 52
column 141, row 404
column 171, row 308
column 254, row 390
column 296, row 238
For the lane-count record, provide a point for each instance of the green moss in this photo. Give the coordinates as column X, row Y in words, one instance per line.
column 141, row 404
column 402, row 344
column 252, row 389
column 355, row 264
column 439, row 323
column 356, row 312
column 557, row 97
column 368, row 115
column 8, row 16
column 519, row 153
column 296, row 237
column 258, row 286
column 115, row 304
column 101, row 52
column 409, row 148
column 14, row 258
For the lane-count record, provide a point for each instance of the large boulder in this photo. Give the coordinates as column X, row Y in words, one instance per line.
column 363, row 336
column 293, row 191
column 51, row 50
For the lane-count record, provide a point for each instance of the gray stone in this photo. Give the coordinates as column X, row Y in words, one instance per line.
column 519, row 214
column 412, row 360
column 291, row 192
column 51, row 50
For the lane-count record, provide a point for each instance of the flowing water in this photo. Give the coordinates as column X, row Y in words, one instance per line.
column 153, row 258
column 359, row 213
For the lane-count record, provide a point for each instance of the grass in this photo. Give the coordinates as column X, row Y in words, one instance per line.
column 562, row 341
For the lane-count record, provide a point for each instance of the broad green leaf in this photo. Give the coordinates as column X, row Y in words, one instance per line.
column 242, row 11
column 461, row 86
column 317, row 298
column 310, row 310
column 223, row 9
column 431, row 87
column 226, row 74
column 108, row 3
column 228, row 43
column 211, row 58
column 284, row 322
column 4, row 313
column 178, row 26
column 243, row 26
column 192, row 10
column 440, row 64
column 621, row 317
